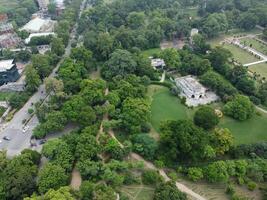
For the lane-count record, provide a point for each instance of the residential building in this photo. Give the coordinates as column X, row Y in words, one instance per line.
column 8, row 71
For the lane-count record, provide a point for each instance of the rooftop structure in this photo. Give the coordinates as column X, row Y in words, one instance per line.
column 9, row 40
column 194, row 31
column 195, row 93
column 158, row 63
column 27, row 40
column 8, row 71
column 39, row 25
column 6, row 28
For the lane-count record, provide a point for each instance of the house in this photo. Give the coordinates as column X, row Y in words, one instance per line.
column 8, row 71
column 195, row 93
column 39, row 25
column 157, row 63
column 9, row 40
column 191, row 87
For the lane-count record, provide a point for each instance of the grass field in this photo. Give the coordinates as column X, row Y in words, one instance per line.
column 240, row 55
column 255, row 44
column 151, row 52
column 166, row 107
column 4, row 96
column 259, row 69
column 138, row 192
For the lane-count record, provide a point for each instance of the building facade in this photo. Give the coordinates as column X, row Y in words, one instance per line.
column 8, row 71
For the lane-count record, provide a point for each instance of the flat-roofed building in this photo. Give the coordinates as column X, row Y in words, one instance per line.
column 8, row 71
column 194, row 92
column 39, row 25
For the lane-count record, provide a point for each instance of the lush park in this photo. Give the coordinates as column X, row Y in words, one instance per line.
column 165, row 106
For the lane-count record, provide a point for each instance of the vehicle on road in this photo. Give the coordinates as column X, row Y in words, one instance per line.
column 0, row 141
column 7, row 138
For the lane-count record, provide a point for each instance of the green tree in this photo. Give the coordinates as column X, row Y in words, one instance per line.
column 87, row 190
column 217, row 172
column 42, row 64
column 59, row 153
column 53, row 85
column 51, row 177
column 195, row 173
column 222, row 140
column 144, row 145
column 57, row 46
column 206, row 118
column 32, row 79
column 120, row 63
column 83, row 55
column 63, row 193
column 135, row 112
column 171, row 58
column 240, row 108
column 248, row 20
column 136, row 19
column 168, row 191
column 182, row 140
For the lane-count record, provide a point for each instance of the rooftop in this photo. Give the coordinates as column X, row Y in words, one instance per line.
column 39, row 25
column 6, row 65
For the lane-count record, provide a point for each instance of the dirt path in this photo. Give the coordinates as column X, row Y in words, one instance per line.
column 76, row 179
column 261, row 109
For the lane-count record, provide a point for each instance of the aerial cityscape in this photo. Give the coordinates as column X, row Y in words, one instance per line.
column 133, row 99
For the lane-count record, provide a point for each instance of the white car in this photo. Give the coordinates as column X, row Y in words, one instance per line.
column 0, row 141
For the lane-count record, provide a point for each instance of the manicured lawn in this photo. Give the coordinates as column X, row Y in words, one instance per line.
column 259, row 69
column 240, row 55
column 255, row 44
column 167, row 107
column 151, row 52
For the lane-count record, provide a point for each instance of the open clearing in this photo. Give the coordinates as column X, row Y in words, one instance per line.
column 259, row 69
column 151, row 52
column 167, row 107
column 240, row 55
column 254, row 44
column 138, row 192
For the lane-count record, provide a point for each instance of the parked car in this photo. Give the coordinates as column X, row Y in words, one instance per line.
column 7, row 138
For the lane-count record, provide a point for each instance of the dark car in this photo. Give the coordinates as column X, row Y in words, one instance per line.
column 7, row 138
column 42, row 141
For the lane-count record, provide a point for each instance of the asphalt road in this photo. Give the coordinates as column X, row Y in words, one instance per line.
column 14, row 129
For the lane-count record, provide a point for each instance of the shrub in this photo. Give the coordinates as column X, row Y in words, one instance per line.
column 206, row 118
column 251, row 185
column 195, row 173
column 151, row 177
column 230, row 189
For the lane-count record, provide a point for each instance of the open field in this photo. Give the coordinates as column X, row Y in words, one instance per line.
column 240, row 55
column 235, row 32
column 259, row 69
column 138, row 192
column 254, row 44
column 168, row 107
column 151, row 52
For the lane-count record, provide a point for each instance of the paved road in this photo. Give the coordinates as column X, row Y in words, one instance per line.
column 14, row 129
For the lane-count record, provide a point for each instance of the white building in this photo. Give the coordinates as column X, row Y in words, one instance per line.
column 191, row 87
column 195, row 93
column 158, row 63
column 39, row 25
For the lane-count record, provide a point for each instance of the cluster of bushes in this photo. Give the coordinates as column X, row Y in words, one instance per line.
column 249, row 172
